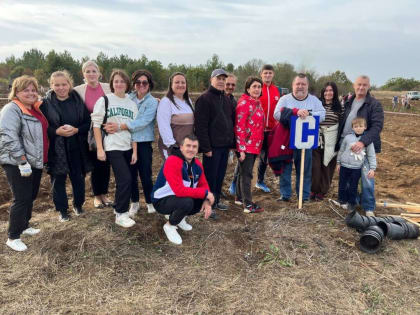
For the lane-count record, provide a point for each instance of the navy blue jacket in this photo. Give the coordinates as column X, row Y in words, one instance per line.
column 373, row 113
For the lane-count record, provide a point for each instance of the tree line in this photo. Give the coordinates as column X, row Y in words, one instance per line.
column 35, row 62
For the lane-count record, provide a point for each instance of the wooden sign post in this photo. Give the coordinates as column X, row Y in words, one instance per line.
column 303, row 135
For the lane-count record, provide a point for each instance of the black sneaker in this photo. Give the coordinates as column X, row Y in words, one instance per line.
column 253, row 208
column 63, row 217
column 221, row 206
column 284, row 199
column 213, row 215
column 78, row 210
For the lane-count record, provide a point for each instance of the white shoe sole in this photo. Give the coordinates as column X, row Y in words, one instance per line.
column 174, row 239
column 19, row 248
column 31, row 232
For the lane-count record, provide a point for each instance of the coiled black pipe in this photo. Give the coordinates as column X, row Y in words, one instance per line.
column 362, row 222
column 371, row 239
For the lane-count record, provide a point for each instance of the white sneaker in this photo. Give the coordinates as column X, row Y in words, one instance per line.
column 134, row 208
column 150, row 208
column 122, row 219
column 338, row 204
column 31, row 231
column 184, row 225
column 16, row 245
column 370, row 213
column 172, row 234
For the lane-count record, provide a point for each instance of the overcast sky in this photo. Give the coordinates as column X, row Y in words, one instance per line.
column 380, row 38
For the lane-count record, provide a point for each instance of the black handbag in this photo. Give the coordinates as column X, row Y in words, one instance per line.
column 91, row 136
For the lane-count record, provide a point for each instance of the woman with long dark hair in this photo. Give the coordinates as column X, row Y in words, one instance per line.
column 324, row 158
column 175, row 115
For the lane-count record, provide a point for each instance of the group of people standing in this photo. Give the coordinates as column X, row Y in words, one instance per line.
column 96, row 126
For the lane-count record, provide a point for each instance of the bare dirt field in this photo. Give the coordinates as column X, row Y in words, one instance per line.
column 281, row 261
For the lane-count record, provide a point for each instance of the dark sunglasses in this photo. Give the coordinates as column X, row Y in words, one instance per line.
column 144, row 83
column 230, row 84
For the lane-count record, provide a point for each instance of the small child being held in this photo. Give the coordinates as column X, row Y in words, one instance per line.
column 349, row 165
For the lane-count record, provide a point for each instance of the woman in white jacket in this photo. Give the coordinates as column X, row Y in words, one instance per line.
column 119, row 147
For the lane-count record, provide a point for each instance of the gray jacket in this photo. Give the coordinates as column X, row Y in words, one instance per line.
column 20, row 135
column 347, row 159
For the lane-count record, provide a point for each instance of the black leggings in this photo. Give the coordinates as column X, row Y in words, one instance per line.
column 178, row 207
column 124, row 174
column 24, row 191
column 143, row 167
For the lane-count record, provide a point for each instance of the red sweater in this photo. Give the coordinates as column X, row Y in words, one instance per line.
column 269, row 98
column 249, row 125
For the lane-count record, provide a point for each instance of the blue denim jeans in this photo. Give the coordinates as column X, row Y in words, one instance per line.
column 286, row 176
column 367, row 196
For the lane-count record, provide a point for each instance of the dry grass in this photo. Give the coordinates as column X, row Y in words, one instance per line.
column 282, row 261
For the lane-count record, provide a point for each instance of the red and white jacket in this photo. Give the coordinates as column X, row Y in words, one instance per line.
column 249, row 125
column 269, row 98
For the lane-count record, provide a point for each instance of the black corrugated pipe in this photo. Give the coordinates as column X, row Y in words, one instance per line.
column 371, row 239
column 399, row 230
column 361, row 222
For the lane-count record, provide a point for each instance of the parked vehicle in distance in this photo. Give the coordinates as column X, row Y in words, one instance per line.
column 413, row 95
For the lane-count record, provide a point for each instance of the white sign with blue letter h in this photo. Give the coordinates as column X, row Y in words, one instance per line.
column 304, row 132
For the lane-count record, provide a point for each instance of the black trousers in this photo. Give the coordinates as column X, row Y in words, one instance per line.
column 77, row 179
column 24, row 191
column 143, row 168
column 321, row 175
column 262, row 166
column 124, row 174
column 100, row 175
column 347, row 185
column 243, row 184
column 215, row 170
column 178, row 207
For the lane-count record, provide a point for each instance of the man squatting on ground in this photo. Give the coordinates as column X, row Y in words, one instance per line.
column 181, row 189
column 214, row 118
column 362, row 104
column 300, row 102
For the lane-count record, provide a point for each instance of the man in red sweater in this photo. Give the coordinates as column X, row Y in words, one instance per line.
column 270, row 97
column 181, row 189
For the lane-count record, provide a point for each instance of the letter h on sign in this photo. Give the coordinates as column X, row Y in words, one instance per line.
column 304, row 132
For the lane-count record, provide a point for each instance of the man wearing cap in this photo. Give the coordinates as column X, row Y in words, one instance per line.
column 213, row 122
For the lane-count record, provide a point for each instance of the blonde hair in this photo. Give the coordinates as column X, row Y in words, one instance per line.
column 21, row 83
column 90, row 63
column 62, row 73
